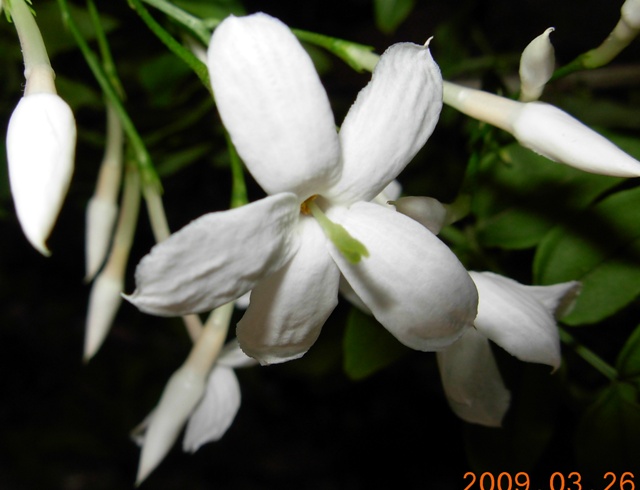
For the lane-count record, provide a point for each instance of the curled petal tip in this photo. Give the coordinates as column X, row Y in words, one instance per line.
column 427, row 42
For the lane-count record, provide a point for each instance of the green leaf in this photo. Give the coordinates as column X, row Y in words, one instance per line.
column 390, row 13
column 608, row 434
column 520, row 196
column 368, row 347
column 628, row 364
column 600, row 248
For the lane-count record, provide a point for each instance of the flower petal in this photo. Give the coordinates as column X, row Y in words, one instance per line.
column 511, row 315
column 216, row 410
column 472, row 382
column 217, row 258
column 272, row 103
column 288, row 308
column 41, row 141
column 412, row 283
column 391, row 119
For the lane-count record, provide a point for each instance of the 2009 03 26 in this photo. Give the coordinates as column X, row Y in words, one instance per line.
column 557, row 481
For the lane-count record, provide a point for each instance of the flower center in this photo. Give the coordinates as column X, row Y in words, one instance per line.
column 352, row 249
column 305, row 206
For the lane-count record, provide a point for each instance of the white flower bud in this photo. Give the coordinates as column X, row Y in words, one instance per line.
column 427, row 211
column 40, row 151
column 536, row 66
column 546, row 130
column 630, row 13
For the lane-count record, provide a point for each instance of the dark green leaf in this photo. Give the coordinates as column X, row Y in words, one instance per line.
column 368, row 347
column 628, row 364
column 608, row 434
column 521, row 196
column 600, row 248
column 390, row 13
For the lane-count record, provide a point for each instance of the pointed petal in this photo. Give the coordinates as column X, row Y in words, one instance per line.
column 41, row 141
column 558, row 299
column 288, row 309
column 391, row 119
column 272, row 103
column 412, row 283
column 216, row 410
column 217, row 258
column 511, row 316
column 472, row 382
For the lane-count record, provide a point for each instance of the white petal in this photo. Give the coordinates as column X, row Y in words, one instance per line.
column 41, row 142
column 217, row 258
column 180, row 396
column 272, row 103
column 511, row 316
column 104, row 301
column 391, row 119
column 216, row 410
column 472, row 382
column 560, row 137
column 412, row 283
column 287, row 310
column 558, row 299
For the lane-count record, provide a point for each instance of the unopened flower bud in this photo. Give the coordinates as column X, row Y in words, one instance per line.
column 630, row 13
column 427, row 211
column 40, row 152
column 546, row 130
column 536, row 66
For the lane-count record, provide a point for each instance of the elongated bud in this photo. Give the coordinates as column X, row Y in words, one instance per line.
column 630, row 13
column 41, row 138
column 536, row 66
column 546, row 130
column 102, row 209
column 40, row 151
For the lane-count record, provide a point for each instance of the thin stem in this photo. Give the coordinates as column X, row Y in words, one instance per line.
column 238, row 185
column 142, row 157
column 105, row 52
column 184, row 54
column 588, row 355
column 191, row 22
column 37, row 67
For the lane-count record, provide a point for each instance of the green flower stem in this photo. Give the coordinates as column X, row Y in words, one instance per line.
column 37, row 67
column 353, row 250
column 238, row 185
column 588, row 355
column 194, row 24
column 199, row 68
column 142, row 157
column 357, row 56
column 105, row 52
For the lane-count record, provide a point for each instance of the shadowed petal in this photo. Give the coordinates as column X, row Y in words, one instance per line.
column 272, row 103
column 216, row 410
column 511, row 315
column 217, row 258
column 389, row 122
column 412, row 283
column 472, row 382
column 288, row 309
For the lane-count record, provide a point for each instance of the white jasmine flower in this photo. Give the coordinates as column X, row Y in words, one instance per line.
column 520, row 319
column 536, row 66
column 546, row 130
column 277, row 113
